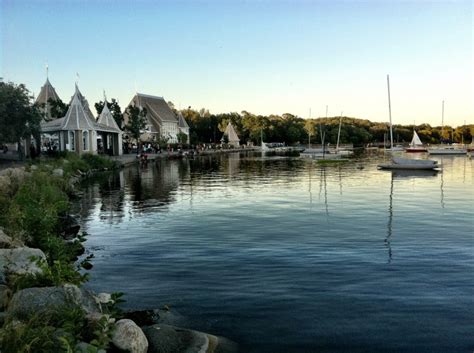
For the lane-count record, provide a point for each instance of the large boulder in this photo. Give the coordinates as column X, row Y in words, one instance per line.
column 171, row 339
column 128, row 337
column 20, row 260
column 58, row 172
column 27, row 302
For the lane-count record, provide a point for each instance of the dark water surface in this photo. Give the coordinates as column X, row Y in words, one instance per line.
column 283, row 255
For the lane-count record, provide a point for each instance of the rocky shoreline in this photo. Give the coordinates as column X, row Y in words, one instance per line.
column 102, row 324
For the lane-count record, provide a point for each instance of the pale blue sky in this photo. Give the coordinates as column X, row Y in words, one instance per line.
column 261, row 56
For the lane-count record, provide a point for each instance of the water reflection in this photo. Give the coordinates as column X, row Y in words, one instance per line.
column 243, row 246
column 402, row 175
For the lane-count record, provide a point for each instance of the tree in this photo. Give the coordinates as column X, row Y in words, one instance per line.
column 114, row 108
column 310, row 128
column 57, row 108
column 19, row 118
column 136, row 121
column 182, row 137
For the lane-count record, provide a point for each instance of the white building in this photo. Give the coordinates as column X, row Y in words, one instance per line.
column 162, row 121
column 78, row 131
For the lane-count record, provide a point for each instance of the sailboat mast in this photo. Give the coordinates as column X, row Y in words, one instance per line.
column 339, row 133
column 390, row 113
column 442, row 120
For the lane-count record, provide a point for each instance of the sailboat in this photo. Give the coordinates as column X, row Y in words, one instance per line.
column 416, row 145
column 446, row 149
column 404, row 163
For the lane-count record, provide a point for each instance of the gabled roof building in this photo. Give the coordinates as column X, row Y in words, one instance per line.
column 162, row 121
column 183, row 126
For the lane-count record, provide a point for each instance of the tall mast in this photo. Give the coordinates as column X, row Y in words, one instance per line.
column 390, row 113
column 339, row 133
column 442, row 120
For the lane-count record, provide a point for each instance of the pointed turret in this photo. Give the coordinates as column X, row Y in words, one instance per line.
column 47, row 93
column 106, row 118
column 182, row 124
column 77, row 118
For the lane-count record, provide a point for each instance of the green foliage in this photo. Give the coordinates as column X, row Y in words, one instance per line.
column 136, row 121
column 57, row 108
column 58, row 330
column 182, row 137
column 55, row 274
column 114, row 108
column 102, row 331
column 19, row 118
column 95, row 161
column 36, row 207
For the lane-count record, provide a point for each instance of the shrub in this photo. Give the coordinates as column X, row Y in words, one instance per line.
column 55, row 331
column 35, row 208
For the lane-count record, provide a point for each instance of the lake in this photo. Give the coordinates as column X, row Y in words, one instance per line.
column 281, row 254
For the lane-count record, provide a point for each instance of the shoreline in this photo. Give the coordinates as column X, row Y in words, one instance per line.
column 34, row 304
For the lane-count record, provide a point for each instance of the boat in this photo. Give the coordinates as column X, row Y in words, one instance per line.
column 446, row 150
column 416, row 145
column 405, row 163
column 410, row 164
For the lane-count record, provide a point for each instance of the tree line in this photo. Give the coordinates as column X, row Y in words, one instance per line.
column 206, row 127
column 20, row 117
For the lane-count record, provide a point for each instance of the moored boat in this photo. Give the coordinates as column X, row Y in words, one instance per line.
column 416, row 145
column 410, row 164
column 447, row 151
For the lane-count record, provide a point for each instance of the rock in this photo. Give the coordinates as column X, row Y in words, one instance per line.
column 34, row 167
column 30, row 301
column 165, row 338
column 69, row 227
column 5, row 295
column 7, row 242
column 156, row 316
column 59, row 172
column 18, row 260
column 129, row 337
column 103, row 298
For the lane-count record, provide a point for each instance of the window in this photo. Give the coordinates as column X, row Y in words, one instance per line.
column 85, row 140
column 72, row 141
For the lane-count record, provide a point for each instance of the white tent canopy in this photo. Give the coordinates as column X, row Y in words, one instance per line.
column 231, row 135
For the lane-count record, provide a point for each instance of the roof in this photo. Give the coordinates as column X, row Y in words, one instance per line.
column 47, row 92
column 231, row 134
column 156, row 107
column 182, row 122
column 78, row 118
column 107, row 119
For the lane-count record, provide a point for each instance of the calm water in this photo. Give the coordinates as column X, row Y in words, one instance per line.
column 283, row 255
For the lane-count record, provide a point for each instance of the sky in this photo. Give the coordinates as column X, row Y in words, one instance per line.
column 265, row 57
